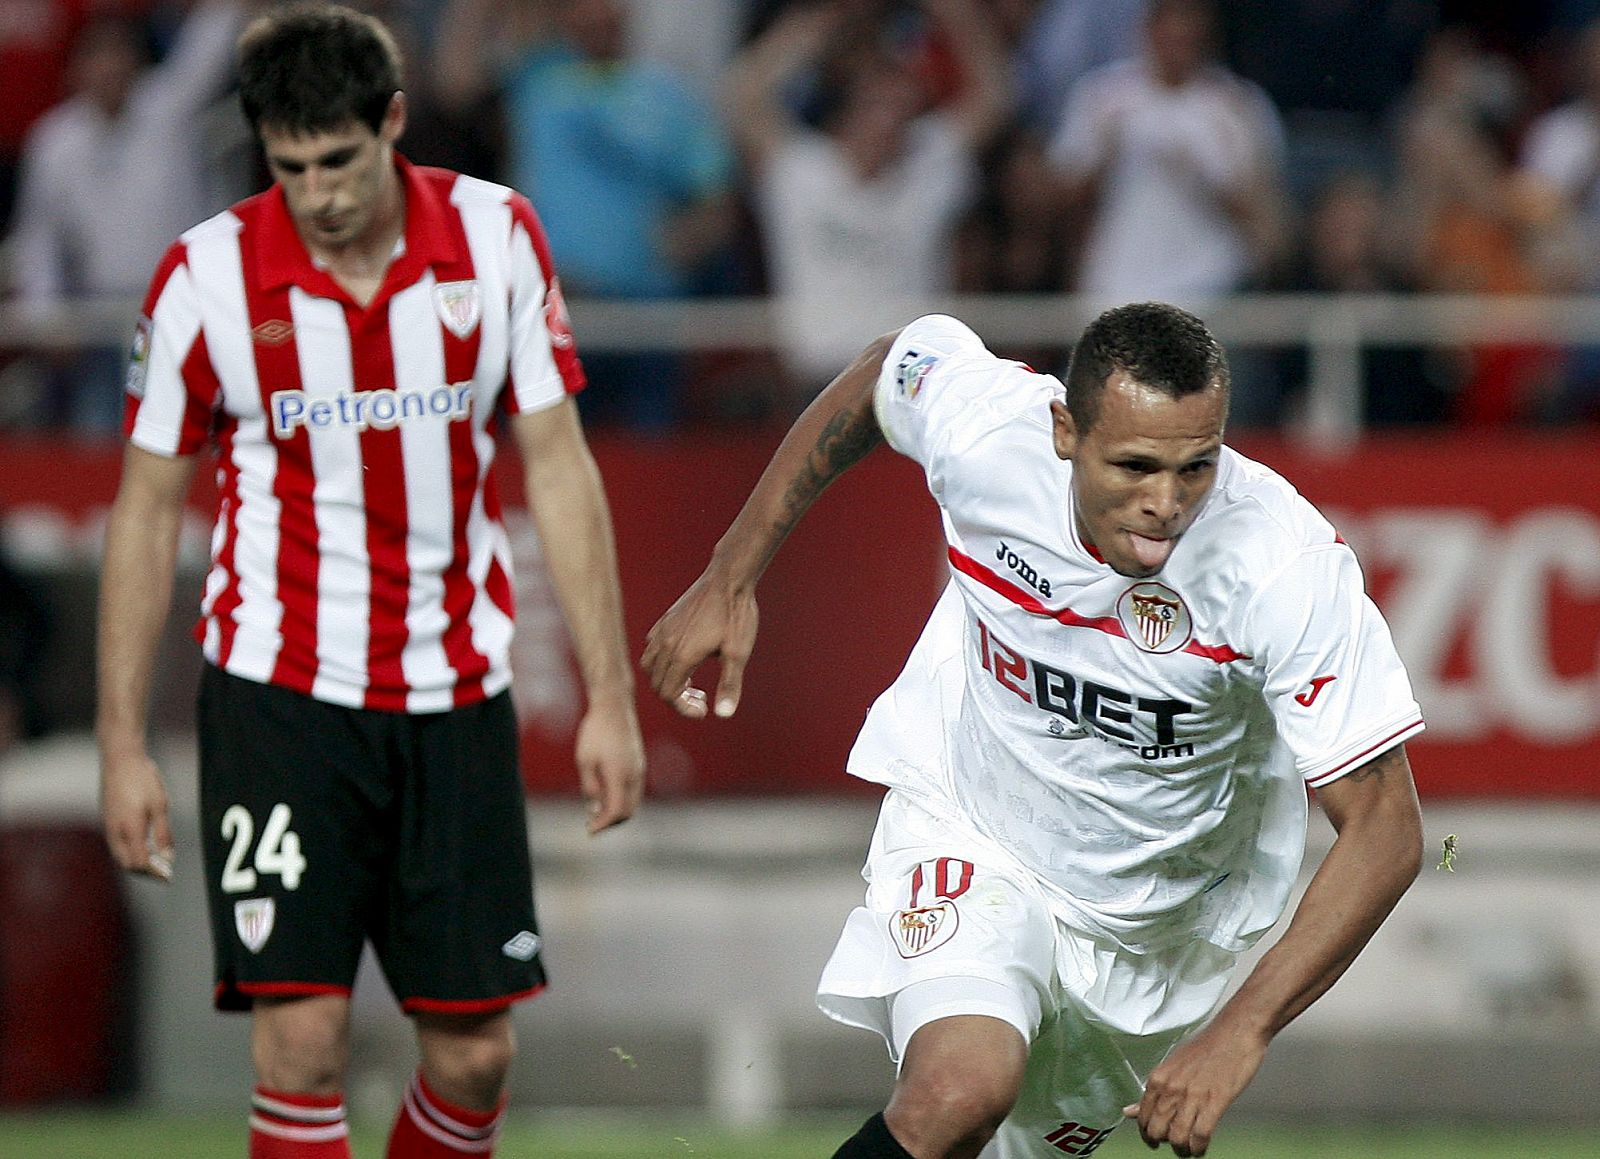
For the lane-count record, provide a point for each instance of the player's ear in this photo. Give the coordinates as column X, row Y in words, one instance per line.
column 393, row 124
column 1063, row 431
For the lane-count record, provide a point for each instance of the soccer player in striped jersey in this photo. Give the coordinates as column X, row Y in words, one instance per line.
column 1097, row 754
column 345, row 346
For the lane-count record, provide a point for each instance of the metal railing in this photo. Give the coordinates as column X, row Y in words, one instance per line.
column 1333, row 328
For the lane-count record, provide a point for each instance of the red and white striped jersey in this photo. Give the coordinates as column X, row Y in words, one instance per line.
column 358, row 553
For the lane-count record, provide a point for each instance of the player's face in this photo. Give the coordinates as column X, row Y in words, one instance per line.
column 1141, row 472
column 336, row 182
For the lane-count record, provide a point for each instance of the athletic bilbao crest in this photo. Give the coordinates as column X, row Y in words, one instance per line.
column 1154, row 617
column 253, row 919
column 921, row 930
column 460, row 306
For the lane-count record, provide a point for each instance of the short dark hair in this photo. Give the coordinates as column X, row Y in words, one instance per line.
column 314, row 67
column 1159, row 346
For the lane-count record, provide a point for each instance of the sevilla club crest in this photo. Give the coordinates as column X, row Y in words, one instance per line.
column 1154, row 617
column 919, row 931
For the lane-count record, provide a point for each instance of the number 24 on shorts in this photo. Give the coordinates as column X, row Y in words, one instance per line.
column 277, row 852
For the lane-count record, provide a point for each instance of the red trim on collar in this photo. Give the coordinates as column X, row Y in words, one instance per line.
column 433, row 237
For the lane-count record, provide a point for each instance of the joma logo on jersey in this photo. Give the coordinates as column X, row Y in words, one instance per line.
column 1023, row 568
column 1107, row 712
column 379, row 409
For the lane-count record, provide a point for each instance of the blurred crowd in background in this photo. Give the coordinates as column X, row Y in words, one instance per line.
column 850, row 158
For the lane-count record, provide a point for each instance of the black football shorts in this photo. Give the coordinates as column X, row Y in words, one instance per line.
column 326, row 827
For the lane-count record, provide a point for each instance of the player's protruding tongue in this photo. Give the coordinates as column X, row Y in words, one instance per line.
column 1152, row 553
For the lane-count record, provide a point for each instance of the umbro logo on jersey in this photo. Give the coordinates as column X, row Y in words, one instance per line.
column 273, row 332
column 380, row 409
column 1308, row 697
column 522, row 947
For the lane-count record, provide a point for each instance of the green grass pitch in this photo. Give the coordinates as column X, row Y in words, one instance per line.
column 544, row 1135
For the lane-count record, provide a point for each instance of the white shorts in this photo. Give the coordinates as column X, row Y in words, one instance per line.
column 951, row 926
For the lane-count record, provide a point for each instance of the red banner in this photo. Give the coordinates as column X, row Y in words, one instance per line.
column 1483, row 551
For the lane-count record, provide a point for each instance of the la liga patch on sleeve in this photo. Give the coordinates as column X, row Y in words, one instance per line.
column 912, row 369
column 139, row 357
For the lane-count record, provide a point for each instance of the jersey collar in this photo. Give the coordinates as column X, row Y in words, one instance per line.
column 430, row 236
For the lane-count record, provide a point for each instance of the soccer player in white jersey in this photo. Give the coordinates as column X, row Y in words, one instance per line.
column 1098, row 752
column 345, row 344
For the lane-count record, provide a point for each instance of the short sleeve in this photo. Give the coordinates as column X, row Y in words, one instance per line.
column 914, row 394
column 544, row 354
column 172, row 388
column 1335, row 685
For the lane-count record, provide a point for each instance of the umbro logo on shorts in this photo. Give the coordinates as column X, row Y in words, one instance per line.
column 523, row 947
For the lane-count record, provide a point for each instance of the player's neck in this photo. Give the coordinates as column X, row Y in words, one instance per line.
column 359, row 265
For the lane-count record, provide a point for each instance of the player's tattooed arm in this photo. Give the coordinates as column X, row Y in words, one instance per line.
column 834, row 433
column 847, row 438
column 717, row 616
column 1389, row 764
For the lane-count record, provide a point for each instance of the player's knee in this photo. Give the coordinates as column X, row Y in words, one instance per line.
column 952, row 1112
column 468, row 1062
column 300, row 1045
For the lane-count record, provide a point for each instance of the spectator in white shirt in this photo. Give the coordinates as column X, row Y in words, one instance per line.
column 109, row 177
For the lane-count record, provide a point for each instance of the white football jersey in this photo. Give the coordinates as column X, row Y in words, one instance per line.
column 1141, row 746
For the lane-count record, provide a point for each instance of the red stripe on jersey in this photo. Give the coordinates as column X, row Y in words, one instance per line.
column 1027, row 601
column 299, row 558
column 498, row 585
column 388, row 518
column 471, row 665
column 205, row 389
column 228, row 600
column 1110, row 625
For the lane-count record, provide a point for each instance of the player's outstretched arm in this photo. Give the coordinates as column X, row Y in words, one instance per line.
column 1374, row 859
column 717, row 616
column 135, row 590
column 568, row 503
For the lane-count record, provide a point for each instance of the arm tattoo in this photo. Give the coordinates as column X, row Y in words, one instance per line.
column 1392, row 761
column 844, row 442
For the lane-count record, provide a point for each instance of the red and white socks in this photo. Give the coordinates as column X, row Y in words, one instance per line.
column 294, row 1126
column 427, row 1127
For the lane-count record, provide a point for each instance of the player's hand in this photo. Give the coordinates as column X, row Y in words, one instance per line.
column 707, row 620
column 1188, row 1092
column 610, row 756
column 133, row 806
